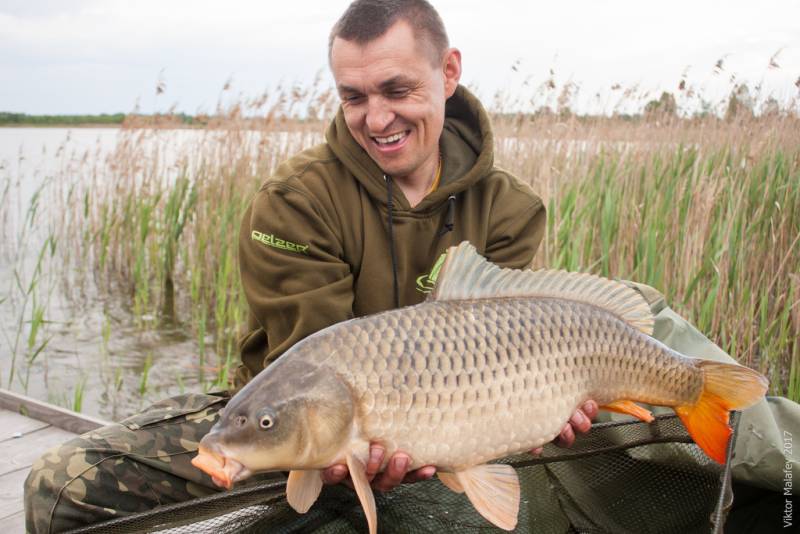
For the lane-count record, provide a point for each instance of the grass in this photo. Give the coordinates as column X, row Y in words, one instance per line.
column 706, row 209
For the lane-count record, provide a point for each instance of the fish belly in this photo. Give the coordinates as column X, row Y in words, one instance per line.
column 459, row 383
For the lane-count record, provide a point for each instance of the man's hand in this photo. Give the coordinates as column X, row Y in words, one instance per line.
column 581, row 422
column 395, row 474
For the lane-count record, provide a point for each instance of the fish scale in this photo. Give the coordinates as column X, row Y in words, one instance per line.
column 493, row 395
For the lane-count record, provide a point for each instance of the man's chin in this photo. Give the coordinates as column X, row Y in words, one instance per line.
column 390, row 168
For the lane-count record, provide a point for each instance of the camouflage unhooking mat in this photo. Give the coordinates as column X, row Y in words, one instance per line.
column 621, row 477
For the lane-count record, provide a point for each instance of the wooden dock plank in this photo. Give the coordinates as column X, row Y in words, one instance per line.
column 11, row 492
column 14, row 523
column 55, row 415
column 13, row 423
column 21, row 452
column 39, row 427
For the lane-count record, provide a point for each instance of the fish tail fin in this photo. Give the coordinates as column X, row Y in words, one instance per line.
column 726, row 387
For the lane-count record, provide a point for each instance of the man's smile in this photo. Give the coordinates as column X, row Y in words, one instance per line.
column 391, row 143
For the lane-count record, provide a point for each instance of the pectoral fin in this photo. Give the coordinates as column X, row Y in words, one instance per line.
column 302, row 489
column 629, row 408
column 493, row 489
column 451, row 481
column 358, row 472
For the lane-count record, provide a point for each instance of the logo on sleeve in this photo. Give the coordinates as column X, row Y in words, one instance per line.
column 276, row 242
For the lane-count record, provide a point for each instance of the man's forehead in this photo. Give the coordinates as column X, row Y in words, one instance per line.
column 383, row 84
column 398, row 46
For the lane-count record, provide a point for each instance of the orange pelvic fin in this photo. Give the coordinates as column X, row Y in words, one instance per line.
column 630, row 408
column 726, row 387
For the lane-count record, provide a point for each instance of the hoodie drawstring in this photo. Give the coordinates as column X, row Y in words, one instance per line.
column 449, row 223
column 450, row 216
column 390, row 207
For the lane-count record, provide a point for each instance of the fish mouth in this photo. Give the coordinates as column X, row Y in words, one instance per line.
column 222, row 469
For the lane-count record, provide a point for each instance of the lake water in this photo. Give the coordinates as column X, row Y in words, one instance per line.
column 74, row 355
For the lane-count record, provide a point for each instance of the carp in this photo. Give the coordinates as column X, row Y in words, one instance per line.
column 492, row 364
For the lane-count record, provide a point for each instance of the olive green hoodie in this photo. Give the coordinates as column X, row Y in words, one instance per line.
column 316, row 248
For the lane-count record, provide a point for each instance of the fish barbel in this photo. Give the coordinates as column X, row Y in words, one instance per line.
column 493, row 364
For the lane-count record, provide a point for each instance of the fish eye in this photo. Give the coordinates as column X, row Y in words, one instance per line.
column 265, row 422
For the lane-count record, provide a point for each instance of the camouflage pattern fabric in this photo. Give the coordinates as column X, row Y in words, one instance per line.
column 132, row 466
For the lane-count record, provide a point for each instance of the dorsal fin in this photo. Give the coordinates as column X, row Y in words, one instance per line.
column 466, row 275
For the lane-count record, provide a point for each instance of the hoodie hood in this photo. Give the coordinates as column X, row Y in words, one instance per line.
column 466, row 146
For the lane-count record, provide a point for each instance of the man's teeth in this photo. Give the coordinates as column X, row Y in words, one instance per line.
column 390, row 139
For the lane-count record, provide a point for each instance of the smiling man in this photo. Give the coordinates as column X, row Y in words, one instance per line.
column 350, row 227
column 406, row 171
column 393, row 90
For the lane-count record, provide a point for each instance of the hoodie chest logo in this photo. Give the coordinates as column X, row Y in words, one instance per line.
column 276, row 242
column 426, row 282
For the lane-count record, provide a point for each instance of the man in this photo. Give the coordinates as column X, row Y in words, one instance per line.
column 344, row 229
column 347, row 228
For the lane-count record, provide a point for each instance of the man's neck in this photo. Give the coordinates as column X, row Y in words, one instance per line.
column 417, row 185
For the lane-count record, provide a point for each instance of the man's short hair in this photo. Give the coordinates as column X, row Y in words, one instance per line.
column 366, row 20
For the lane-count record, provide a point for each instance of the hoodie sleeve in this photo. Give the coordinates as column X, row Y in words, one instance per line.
column 517, row 226
column 293, row 275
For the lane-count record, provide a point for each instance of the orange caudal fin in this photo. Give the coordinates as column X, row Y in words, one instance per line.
column 726, row 387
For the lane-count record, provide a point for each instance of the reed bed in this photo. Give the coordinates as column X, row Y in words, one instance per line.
column 705, row 209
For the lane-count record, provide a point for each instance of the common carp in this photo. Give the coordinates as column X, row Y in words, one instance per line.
column 492, row 364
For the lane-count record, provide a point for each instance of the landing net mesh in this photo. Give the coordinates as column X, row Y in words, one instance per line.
column 621, row 477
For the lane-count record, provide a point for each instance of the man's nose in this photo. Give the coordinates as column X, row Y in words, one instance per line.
column 379, row 115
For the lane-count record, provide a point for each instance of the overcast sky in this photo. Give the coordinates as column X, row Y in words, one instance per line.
column 95, row 56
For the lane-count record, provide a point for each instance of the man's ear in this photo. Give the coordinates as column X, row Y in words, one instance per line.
column 451, row 66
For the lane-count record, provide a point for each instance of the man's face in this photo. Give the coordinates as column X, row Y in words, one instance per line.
column 393, row 98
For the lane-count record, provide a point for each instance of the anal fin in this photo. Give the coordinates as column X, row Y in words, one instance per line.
column 302, row 489
column 630, row 408
column 358, row 472
column 493, row 489
column 451, row 481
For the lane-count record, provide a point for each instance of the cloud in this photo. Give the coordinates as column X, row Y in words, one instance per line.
column 61, row 55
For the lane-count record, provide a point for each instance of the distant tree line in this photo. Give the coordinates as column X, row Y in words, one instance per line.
column 7, row 118
column 13, row 119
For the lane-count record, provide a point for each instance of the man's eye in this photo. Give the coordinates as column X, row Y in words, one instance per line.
column 398, row 93
column 352, row 99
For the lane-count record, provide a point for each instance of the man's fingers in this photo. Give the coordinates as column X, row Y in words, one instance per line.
column 334, row 474
column 567, row 436
column 580, row 422
column 590, row 408
column 376, row 454
column 537, row 451
column 393, row 475
column 418, row 475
